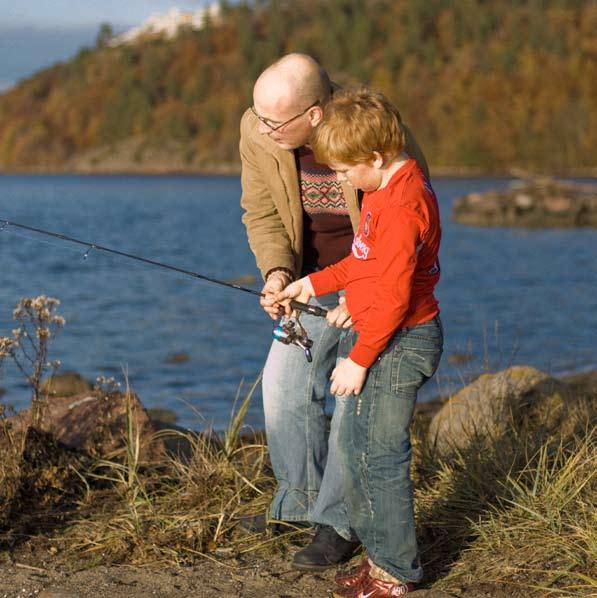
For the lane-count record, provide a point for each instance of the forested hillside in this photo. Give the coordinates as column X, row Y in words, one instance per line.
column 485, row 85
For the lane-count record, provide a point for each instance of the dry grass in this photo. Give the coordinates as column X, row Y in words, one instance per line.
column 511, row 512
column 179, row 509
column 11, row 448
column 518, row 511
column 545, row 535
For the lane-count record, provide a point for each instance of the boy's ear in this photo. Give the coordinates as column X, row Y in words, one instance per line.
column 378, row 160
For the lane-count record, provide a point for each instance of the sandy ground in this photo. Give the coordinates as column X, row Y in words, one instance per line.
column 247, row 580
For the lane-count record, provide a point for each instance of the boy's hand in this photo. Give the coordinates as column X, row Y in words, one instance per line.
column 348, row 377
column 301, row 290
column 339, row 316
column 276, row 281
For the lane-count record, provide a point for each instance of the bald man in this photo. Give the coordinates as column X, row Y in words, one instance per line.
column 299, row 219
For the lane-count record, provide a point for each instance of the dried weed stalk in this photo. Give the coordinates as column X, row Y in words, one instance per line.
column 28, row 346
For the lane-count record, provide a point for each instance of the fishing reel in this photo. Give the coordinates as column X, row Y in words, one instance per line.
column 290, row 331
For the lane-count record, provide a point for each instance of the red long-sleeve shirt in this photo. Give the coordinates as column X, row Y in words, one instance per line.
column 390, row 275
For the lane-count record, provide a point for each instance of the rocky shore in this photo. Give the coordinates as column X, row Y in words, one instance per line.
column 104, row 500
column 533, row 203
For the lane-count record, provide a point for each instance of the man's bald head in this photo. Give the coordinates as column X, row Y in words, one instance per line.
column 295, row 81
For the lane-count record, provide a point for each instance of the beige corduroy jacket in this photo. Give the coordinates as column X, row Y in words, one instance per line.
column 273, row 212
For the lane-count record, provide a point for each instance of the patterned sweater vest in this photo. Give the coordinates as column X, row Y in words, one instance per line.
column 327, row 232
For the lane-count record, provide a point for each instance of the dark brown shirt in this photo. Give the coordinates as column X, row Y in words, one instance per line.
column 327, row 232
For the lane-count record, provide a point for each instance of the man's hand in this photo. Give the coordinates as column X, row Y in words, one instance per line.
column 301, row 290
column 339, row 316
column 348, row 377
column 276, row 281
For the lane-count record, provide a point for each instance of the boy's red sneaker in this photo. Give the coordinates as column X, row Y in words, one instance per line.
column 375, row 588
column 354, row 576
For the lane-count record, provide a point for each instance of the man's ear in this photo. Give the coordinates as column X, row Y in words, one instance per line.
column 315, row 115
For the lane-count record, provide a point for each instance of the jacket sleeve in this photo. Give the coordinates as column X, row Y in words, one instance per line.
column 267, row 236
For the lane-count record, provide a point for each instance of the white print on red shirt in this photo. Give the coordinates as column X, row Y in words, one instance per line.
column 360, row 249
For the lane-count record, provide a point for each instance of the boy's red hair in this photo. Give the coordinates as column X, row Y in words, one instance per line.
column 356, row 123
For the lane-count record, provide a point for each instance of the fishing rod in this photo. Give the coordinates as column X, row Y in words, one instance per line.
column 313, row 310
column 285, row 333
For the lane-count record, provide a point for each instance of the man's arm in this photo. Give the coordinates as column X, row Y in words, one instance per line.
column 267, row 236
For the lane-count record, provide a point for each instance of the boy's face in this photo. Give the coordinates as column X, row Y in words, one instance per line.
column 364, row 175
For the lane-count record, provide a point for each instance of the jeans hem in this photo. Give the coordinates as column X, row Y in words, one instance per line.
column 294, row 518
column 397, row 573
column 278, row 515
column 344, row 532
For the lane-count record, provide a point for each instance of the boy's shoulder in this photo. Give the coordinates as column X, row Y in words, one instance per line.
column 410, row 188
column 412, row 199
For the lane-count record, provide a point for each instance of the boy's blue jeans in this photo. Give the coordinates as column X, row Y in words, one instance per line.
column 375, row 448
column 304, row 457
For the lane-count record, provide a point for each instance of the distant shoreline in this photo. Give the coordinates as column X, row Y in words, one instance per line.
column 235, row 170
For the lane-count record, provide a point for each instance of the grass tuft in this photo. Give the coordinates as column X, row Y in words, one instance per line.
column 519, row 511
column 178, row 509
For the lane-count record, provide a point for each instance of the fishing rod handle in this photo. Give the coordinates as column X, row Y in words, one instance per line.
column 313, row 310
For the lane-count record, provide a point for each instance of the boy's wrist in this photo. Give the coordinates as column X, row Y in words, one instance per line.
column 362, row 356
column 358, row 365
column 308, row 285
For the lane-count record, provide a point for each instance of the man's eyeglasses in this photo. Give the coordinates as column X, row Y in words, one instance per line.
column 273, row 125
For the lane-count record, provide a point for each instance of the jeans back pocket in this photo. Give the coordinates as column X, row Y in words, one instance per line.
column 416, row 355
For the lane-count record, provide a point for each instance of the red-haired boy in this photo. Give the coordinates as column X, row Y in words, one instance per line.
column 396, row 341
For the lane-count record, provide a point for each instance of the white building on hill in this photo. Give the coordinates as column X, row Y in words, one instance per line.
column 167, row 25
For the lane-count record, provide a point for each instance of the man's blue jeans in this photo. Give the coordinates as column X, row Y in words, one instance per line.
column 304, row 458
column 375, row 448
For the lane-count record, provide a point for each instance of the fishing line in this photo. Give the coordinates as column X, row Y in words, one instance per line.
column 90, row 247
column 71, row 249
column 14, row 233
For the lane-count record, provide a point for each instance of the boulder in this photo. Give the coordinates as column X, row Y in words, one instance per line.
column 65, row 385
column 37, row 475
column 535, row 202
column 95, row 422
column 493, row 402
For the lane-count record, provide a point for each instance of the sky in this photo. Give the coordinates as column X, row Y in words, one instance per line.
column 37, row 33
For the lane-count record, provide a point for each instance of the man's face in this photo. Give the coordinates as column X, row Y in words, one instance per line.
column 289, row 126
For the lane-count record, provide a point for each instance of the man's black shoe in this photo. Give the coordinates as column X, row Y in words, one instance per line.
column 327, row 549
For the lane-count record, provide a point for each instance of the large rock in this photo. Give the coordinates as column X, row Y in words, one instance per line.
column 485, row 408
column 38, row 474
column 66, row 384
column 538, row 202
column 95, row 422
